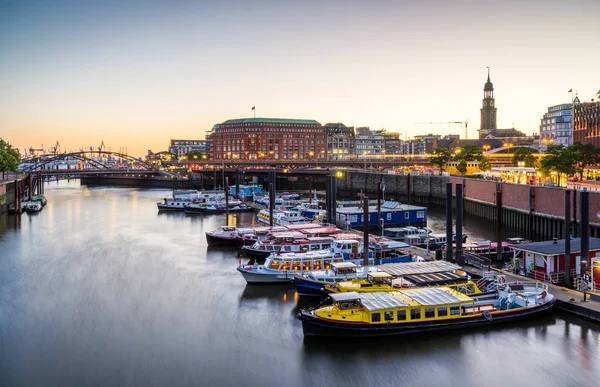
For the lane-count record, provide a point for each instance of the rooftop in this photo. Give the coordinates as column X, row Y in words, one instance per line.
column 552, row 248
column 271, row 120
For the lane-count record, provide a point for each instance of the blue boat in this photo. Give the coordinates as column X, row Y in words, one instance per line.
column 311, row 283
column 392, row 214
column 246, row 191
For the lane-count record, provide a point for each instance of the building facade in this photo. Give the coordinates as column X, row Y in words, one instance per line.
column 341, row 142
column 181, row 147
column 424, row 144
column 586, row 122
column 555, row 126
column 488, row 109
column 268, row 139
column 392, row 144
column 369, row 142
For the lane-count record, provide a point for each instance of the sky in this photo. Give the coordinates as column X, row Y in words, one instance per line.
column 134, row 74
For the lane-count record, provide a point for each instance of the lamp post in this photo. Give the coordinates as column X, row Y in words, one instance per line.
column 382, row 221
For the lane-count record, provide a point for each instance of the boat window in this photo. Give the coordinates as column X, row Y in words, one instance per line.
column 429, row 312
column 285, row 266
column 274, row 265
column 287, row 248
column 314, row 247
column 442, row 311
column 376, row 317
column 401, row 315
column 388, row 316
column 270, row 248
column 262, row 248
column 406, row 215
column 296, row 266
column 326, row 246
column 454, row 310
column 330, row 280
column 415, row 314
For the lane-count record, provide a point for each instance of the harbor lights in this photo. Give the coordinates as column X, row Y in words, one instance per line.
column 382, row 222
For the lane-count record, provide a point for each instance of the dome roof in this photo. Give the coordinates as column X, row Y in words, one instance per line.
column 489, row 86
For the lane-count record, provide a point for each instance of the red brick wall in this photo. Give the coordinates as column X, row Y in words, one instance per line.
column 549, row 201
column 515, row 196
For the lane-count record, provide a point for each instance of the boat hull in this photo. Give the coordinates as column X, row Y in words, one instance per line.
column 216, row 240
column 258, row 277
column 306, row 287
column 166, row 207
column 314, row 326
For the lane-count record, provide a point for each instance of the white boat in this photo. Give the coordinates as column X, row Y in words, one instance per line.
column 31, row 206
column 182, row 197
column 287, row 243
column 282, row 267
column 282, row 218
column 399, row 233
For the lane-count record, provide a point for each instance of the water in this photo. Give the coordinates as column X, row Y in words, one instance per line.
column 100, row 290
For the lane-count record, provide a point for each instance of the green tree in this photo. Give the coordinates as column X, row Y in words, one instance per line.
column 484, row 164
column 560, row 160
column 439, row 157
column 10, row 158
column 195, row 155
column 587, row 154
column 469, row 152
column 526, row 156
column 462, row 166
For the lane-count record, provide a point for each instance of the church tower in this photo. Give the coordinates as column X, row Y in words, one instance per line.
column 488, row 110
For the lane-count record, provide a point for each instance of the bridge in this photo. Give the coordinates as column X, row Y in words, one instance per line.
column 46, row 161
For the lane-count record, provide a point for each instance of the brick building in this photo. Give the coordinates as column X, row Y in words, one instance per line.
column 586, row 122
column 268, row 139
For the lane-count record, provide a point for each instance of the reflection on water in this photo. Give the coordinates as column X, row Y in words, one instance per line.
column 101, row 289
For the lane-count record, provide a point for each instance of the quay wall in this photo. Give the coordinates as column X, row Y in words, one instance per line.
column 535, row 210
column 3, row 204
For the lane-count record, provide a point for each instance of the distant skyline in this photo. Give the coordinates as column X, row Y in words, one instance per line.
column 136, row 73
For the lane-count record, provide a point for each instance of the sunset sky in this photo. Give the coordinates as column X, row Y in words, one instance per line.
column 136, row 73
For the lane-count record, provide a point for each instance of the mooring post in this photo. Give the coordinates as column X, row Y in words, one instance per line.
column 365, row 231
column 460, row 258
column 499, row 221
column 214, row 179
column 449, row 222
column 567, row 233
column 310, row 188
column 584, row 219
column 530, row 232
column 328, row 198
column 226, row 201
column 333, row 202
column 379, row 204
column 408, row 190
column 272, row 189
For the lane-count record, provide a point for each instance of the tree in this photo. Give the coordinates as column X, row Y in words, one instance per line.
column 462, row 166
column 195, row 155
column 10, row 158
column 524, row 155
column 587, row 154
column 484, row 164
column 559, row 160
column 469, row 152
column 439, row 157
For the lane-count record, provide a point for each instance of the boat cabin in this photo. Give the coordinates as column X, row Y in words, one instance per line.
column 342, row 268
column 314, row 260
column 379, row 277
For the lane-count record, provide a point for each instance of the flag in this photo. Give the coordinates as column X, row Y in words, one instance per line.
column 570, row 91
column 253, row 107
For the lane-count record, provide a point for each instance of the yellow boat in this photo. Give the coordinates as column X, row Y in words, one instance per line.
column 382, row 282
column 422, row 309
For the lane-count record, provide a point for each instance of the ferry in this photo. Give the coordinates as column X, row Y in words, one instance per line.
column 399, row 233
column 287, row 242
column 412, row 273
column 281, row 218
column 311, row 283
column 282, row 267
column 422, row 310
column 384, row 282
column 238, row 236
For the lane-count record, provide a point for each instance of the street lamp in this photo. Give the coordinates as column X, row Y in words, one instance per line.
column 382, row 222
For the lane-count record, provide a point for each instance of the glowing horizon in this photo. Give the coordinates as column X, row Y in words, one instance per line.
column 136, row 74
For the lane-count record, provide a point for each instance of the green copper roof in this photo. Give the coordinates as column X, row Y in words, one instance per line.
column 270, row 120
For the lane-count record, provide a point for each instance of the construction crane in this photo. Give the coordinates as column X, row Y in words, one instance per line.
column 33, row 150
column 466, row 123
column 55, row 149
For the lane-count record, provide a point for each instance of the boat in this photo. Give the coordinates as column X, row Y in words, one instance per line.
column 399, row 233
column 416, row 272
column 182, row 197
column 389, row 213
column 40, row 199
column 216, row 207
column 225, row 235
column 435, row 241
column 311, row 283
column 31, row 206
column 384, row 282
column 286, row 242
column 281, row 218
column 257, row 234
column 282, row 267
column 246, row 191
column 424, row 309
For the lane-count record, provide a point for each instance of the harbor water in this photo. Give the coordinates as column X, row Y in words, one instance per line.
column 99, row 289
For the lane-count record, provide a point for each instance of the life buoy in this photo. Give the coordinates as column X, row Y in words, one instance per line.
column 543, row 294
column 351, row 255
column 518, row 283
column 502, row 280
column 397, row 285
column 359, row 255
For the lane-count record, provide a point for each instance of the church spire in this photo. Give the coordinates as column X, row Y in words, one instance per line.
column 488, row 74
